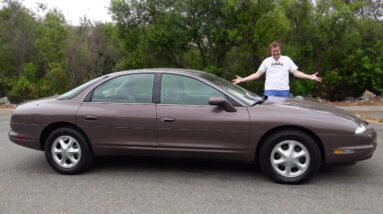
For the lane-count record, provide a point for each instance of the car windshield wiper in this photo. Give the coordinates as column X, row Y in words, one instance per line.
column 259, row 102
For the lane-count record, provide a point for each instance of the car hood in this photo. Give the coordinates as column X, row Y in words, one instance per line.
column 311, row 106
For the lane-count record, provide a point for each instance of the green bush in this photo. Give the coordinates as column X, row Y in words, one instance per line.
column 5, row 85
column 26, row 87
column 56, row 81
column 23, row 90
column 29, row 72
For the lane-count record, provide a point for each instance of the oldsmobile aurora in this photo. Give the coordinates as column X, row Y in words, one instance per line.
column 186, row 113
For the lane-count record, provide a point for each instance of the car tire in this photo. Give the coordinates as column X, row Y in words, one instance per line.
column 290, row 157
column 67, row 151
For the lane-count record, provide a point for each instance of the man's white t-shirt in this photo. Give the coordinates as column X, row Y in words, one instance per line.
column 277, row 72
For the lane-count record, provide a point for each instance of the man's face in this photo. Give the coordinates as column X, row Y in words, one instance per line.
column 275, row 52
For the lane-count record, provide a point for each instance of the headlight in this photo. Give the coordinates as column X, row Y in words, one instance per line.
column 360, row 129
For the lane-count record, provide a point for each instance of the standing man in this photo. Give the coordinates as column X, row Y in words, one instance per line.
column 277, row 68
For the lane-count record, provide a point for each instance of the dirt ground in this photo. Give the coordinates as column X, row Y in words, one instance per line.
column 7, row 106
column 378, row 101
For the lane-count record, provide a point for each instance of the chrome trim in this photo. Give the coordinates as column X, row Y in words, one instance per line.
column 357, row 147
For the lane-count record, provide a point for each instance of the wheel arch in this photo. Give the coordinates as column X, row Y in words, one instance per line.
column 53, row 126
column 290, row 127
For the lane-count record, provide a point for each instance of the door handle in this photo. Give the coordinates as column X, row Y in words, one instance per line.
column 167, row 119
column 90, row 117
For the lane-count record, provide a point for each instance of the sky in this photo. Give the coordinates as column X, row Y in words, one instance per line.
column 94, row 10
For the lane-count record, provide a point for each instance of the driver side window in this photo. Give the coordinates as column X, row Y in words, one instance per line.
column 132, row 88
column 178, row 89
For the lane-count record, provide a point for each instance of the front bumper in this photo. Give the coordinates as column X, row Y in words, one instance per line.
column 349, row 148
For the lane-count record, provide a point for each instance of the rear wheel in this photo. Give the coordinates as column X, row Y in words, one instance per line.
column 290, row 157
column 68, row 152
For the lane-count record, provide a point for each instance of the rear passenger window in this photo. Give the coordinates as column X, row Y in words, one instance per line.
column 131, row 88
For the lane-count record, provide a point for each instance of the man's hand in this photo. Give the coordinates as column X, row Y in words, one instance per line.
column 254, row 76
column 302, row 75
column 314, row 77
column 237, row 80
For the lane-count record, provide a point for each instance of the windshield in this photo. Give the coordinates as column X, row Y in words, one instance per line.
column 74, row 92
column 246, row 96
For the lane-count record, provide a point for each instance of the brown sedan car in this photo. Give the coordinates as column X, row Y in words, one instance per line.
column 186, row 113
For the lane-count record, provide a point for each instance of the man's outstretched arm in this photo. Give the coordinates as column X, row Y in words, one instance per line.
column 253, row 76
column 302, row 75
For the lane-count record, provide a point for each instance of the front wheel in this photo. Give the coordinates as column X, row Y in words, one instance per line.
column 290, row 157
column 67, row 151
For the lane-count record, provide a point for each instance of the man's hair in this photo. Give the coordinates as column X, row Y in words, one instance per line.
column 274, row 45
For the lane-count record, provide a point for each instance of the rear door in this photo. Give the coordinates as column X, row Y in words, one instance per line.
column 120, row 118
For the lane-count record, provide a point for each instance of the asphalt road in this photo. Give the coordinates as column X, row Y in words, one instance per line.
column 134, row 185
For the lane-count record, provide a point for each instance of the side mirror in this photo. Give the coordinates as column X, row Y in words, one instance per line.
column 223, row 103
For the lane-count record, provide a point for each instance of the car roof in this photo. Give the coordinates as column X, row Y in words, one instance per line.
column 161, row 70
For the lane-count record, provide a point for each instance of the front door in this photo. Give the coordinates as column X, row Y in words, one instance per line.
column 188, row 125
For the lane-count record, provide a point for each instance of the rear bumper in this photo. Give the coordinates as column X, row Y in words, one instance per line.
column 23, row 141
column 27, row 135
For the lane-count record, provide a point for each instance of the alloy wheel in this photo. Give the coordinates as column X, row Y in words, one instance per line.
column 290, row 158
column 66, row 151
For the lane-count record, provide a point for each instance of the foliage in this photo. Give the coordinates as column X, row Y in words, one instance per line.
column 56, row 80
column 26, row 86
column 41, row 54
